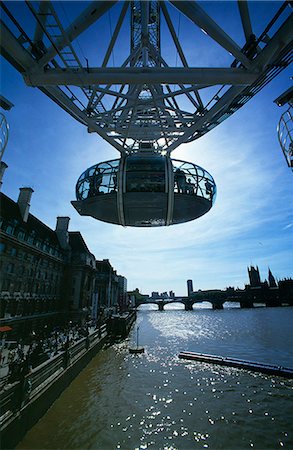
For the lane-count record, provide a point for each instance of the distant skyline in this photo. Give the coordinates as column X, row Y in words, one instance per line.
column 251, row 222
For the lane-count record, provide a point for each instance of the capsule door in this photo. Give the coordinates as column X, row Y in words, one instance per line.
column 145, row 196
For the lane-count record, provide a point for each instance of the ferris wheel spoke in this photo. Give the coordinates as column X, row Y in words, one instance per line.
column 115, row 34
column 145, row 99
column 200, row 18
column 245, row 18
column 89, row 16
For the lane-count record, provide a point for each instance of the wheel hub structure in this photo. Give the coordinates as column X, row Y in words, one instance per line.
column 147, row 76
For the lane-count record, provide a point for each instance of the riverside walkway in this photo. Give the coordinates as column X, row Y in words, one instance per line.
column 14, row 354
column 26, row 399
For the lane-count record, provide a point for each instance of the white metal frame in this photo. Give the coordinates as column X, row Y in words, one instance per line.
column 137, row 102
column 285, row 135
column 4, row 134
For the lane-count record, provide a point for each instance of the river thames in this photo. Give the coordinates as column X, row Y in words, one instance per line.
column 157, row 401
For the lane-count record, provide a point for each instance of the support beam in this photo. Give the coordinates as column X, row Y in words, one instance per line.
column 277, row 43
column 13, row 51
column 39, row 30
column 221, row 104
column 200, row 18
column 89, row 16
column 245, row 19
column 179, row 48
column 115, row 34
column 138, row 75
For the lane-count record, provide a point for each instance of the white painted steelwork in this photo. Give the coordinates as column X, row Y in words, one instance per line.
column 285, row 135
column 144, row 106
column 144, row 98
column 4, row 134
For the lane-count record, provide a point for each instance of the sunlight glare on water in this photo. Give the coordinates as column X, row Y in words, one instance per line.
column 157, row 401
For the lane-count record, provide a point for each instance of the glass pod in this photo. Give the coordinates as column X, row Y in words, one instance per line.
column 145, row 191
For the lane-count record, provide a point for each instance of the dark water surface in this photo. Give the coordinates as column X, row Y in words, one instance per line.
column 156, row 401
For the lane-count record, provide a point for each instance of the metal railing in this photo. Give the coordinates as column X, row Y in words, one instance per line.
column 15, row 396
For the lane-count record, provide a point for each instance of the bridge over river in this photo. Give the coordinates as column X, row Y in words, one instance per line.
column 217, row 298
column 186, row 301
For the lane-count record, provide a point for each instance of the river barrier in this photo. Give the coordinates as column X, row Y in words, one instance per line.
column 24, row 402
column 254, row 366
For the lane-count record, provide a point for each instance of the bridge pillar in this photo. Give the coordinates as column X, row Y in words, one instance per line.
column 161, row 306
column 273, row 303
column 246, row 304
column 188, row 306
column 218, row 305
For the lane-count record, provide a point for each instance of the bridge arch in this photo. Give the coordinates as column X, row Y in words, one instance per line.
column 177, row 302
column 153, row 304
column 202, row 304
column 216, row 303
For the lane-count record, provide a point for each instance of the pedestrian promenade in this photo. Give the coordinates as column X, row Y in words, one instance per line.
column 25, row 399
column 16, row 356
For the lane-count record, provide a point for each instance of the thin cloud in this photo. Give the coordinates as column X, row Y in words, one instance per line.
column 288, row 226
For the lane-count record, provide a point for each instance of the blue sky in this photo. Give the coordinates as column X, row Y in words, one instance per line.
column 250, row 223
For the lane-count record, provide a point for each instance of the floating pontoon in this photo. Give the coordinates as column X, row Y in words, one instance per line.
column 240, row 363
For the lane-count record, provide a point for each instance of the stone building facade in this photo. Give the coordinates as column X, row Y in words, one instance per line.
column 32, row 264
column 81, row 277
column 48, row 276
column 107, row 284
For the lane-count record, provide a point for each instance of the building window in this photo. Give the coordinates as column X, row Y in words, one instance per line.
column 31, row 237
column 13, row 251
column 9, row 229
column 2, row 247
column 21, row 235
column 23, row 271
column 10, row 268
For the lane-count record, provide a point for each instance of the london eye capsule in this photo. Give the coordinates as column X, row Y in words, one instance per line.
column 143, row 105
column 145, row 191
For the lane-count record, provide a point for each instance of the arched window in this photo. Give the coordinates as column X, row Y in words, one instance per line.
column 31, row 237
column 21, row 235
column 9, row 229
